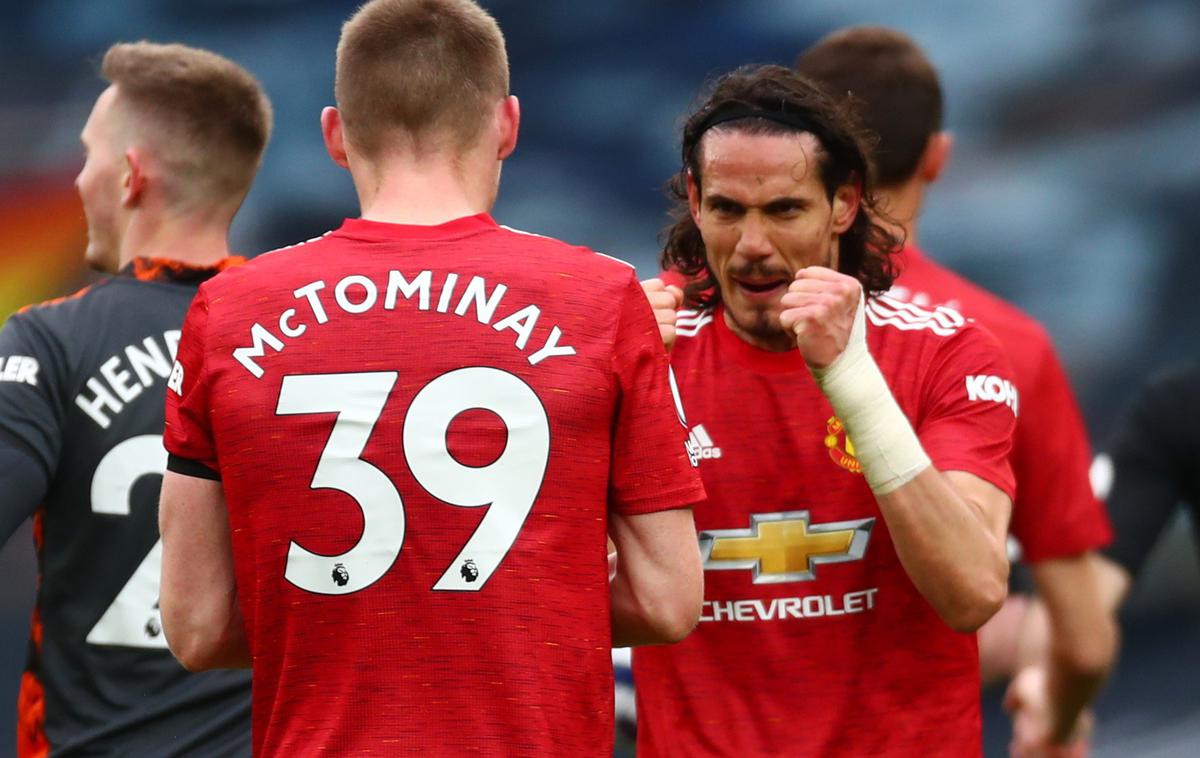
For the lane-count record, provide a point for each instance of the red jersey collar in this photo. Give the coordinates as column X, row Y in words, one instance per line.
column 361, row 228
column 751, row 357
column 167, row 270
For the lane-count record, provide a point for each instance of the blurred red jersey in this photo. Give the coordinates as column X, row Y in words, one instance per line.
column 1055, row 514
column 420, row 433
column 813, row 641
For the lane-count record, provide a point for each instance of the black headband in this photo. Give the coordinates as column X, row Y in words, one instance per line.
column 739, row 111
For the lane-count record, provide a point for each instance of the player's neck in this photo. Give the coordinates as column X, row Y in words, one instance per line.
column 189, row 240
column 425, row 193
column 902, row 204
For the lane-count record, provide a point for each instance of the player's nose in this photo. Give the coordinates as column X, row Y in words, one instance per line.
column 753, row 241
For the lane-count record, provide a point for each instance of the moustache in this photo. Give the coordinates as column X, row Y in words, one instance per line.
column 759, row 270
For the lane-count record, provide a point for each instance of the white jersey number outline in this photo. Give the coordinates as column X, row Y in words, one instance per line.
column 508, row 486
column 132, row 619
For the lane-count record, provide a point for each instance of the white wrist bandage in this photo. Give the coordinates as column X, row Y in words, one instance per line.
column 884, row 442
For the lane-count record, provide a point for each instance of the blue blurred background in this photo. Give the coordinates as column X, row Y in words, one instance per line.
column 1073, row 192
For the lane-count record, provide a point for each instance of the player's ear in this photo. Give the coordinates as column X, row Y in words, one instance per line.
column 693, row 190
column 133, row 178
column 935, row 157
column 335, row 137
column 846, row 200
column 508, row 116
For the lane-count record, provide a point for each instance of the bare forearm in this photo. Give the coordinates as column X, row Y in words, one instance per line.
column 659, row 587
column 206, row 637
column 633, row 623
column 1000, row 651
column 1070, row 690
column 198, row 593
column 1075, row 617
column 947, row 548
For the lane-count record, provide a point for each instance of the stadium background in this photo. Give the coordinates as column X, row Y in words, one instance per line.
column 1072, row 192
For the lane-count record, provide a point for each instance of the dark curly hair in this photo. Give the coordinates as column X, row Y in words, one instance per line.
column 866, row 249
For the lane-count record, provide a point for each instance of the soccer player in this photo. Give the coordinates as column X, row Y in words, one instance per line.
column 1056, row 518
column 172, row 146
column 395, row 450
column 859, row 487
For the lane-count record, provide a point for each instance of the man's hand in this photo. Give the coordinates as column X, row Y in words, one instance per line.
column 665, row 300
column 820, row 307
column 1029, row 704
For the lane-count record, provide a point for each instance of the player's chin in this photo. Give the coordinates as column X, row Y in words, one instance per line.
column 97, row 258
column 759, row 319
column 756, row 314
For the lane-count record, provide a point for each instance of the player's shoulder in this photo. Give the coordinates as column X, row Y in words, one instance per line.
column 66, row 311
column 934, row 283
column 67, row 304
column 892, row 317
column 1012, row 326
column 540, row 249
column 902, row 333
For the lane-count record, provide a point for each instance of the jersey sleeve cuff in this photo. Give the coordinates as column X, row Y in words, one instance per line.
column 988, row 474
column 668, row 501
column 1095, row 539
column 188, row 467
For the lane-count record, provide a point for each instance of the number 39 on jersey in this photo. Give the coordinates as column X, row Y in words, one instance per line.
column 509, row 486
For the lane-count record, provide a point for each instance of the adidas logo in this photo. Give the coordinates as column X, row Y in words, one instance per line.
column 700, row 445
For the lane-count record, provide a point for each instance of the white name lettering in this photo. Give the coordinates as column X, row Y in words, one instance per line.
column 309, row 292
column 124, row 376
column 397, row 283
column 357, row 294
column 290, row 331
column 368, row 286
column 150, row 360
column 485, row 305
column 261, row 339
column 118, row 379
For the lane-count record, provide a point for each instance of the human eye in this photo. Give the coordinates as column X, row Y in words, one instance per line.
column 724, row 207
column 786, row 207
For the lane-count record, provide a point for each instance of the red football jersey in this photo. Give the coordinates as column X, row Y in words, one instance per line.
column 420, row 433
column 1055, row 514
column 813, row 640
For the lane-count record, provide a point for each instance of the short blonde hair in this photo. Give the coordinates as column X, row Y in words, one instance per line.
column 428, row 70
column 210, row 117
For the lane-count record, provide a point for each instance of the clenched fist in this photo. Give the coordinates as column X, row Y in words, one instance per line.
column 665, row 300
column 1027, row 699
column 819, row 308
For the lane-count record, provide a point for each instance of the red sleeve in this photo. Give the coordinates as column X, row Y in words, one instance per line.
column 650, row 469
column 969, row 408
column 1055, row 514
column 673, row 277
column 188, row 433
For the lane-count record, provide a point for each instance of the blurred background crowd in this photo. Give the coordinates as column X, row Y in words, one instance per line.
column 1072, row 192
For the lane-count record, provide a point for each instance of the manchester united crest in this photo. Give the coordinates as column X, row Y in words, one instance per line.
column 841, row 450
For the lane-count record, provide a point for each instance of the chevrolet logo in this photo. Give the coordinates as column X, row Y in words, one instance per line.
column 784, row 547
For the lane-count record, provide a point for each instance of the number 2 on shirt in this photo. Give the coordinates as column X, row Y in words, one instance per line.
column 509, row 485
column 132, row 619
